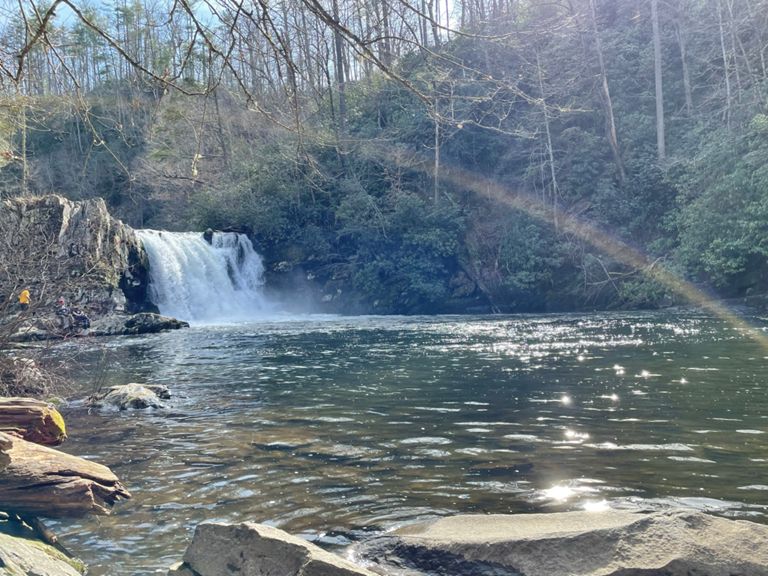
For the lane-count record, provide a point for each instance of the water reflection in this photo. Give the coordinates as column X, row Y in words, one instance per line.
column 339, row 427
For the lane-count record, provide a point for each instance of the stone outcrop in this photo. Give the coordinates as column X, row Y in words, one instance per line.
column 251, row 549
column 25, row 557
column 45, row 328
column 57, row 247
column 610, row 543
column 133, row 395
column 142, row 323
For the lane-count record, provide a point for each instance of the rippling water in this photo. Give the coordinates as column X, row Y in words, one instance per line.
column 335, row 428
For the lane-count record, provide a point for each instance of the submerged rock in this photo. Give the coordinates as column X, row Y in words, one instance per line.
column 608, row 543
column 25, row 557
column 137, row 396
column 252, row 549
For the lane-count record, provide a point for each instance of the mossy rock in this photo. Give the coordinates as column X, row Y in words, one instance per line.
column 25, row 557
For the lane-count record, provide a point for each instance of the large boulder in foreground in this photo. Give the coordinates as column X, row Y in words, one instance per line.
column 57, row 247
column 610, row 543
column 24, row 557
column 251, row 549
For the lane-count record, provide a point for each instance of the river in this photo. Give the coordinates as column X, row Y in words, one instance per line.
column 336, row 428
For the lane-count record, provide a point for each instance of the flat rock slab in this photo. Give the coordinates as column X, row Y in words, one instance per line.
column 23, row 557
column 251, row 549
column 611, row 543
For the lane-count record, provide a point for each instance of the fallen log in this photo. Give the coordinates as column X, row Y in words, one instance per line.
column 41, row 481
column 32, row 420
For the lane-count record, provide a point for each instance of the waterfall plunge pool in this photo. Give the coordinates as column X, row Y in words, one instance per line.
column 337, row 428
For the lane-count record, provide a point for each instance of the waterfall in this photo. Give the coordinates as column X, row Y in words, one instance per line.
column 193, row 280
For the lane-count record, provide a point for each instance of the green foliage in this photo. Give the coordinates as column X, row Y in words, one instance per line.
column 402, row 253
column 639, row 210
column 724, row 226
column 642, row 292
column 521, row 102
column 520, row 257
column 529, row 256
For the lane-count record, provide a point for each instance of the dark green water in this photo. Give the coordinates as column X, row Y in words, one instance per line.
column 338, row 428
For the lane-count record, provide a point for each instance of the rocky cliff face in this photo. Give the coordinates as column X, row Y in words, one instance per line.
column 57, row 247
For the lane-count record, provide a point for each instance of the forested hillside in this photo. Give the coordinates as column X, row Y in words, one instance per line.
column 418, row 155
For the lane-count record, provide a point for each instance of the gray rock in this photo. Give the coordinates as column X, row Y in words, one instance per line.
column 142, row 323
column 180, row 569
column 127, row 396
column 148, row 323
column 24, row 557
column 45, row 328
column 608, row 543
column 251, row 549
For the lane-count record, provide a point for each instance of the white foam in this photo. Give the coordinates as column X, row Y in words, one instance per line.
column 204, row 283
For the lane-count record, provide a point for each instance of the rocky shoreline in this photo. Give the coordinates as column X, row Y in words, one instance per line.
column 606, row 543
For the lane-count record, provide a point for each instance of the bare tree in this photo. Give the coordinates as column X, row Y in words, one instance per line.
column 605, row 93
column 660, row 142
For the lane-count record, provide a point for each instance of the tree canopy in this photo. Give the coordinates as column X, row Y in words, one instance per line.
column 351, row 137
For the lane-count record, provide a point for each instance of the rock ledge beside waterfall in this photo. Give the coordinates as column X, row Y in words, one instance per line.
column 111, row 325
column 141, row 323
column 57, row 247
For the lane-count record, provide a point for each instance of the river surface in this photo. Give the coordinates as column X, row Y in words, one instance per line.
column 338, row 428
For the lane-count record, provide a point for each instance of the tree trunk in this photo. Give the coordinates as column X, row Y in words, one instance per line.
column 736, row 73
column 23, row 145
column 436, row 174
column 340, row 72
column 660, row 142
column 680, row 32
column 550, row 150
column 434, row 17
column 220, row 130
column 725, row 66
column 32, row 420
column 41, row 481
column 386, row 45
column 610, row 121
column 447, row 20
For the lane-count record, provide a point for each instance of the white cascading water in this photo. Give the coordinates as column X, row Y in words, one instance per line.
column 199, row 282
